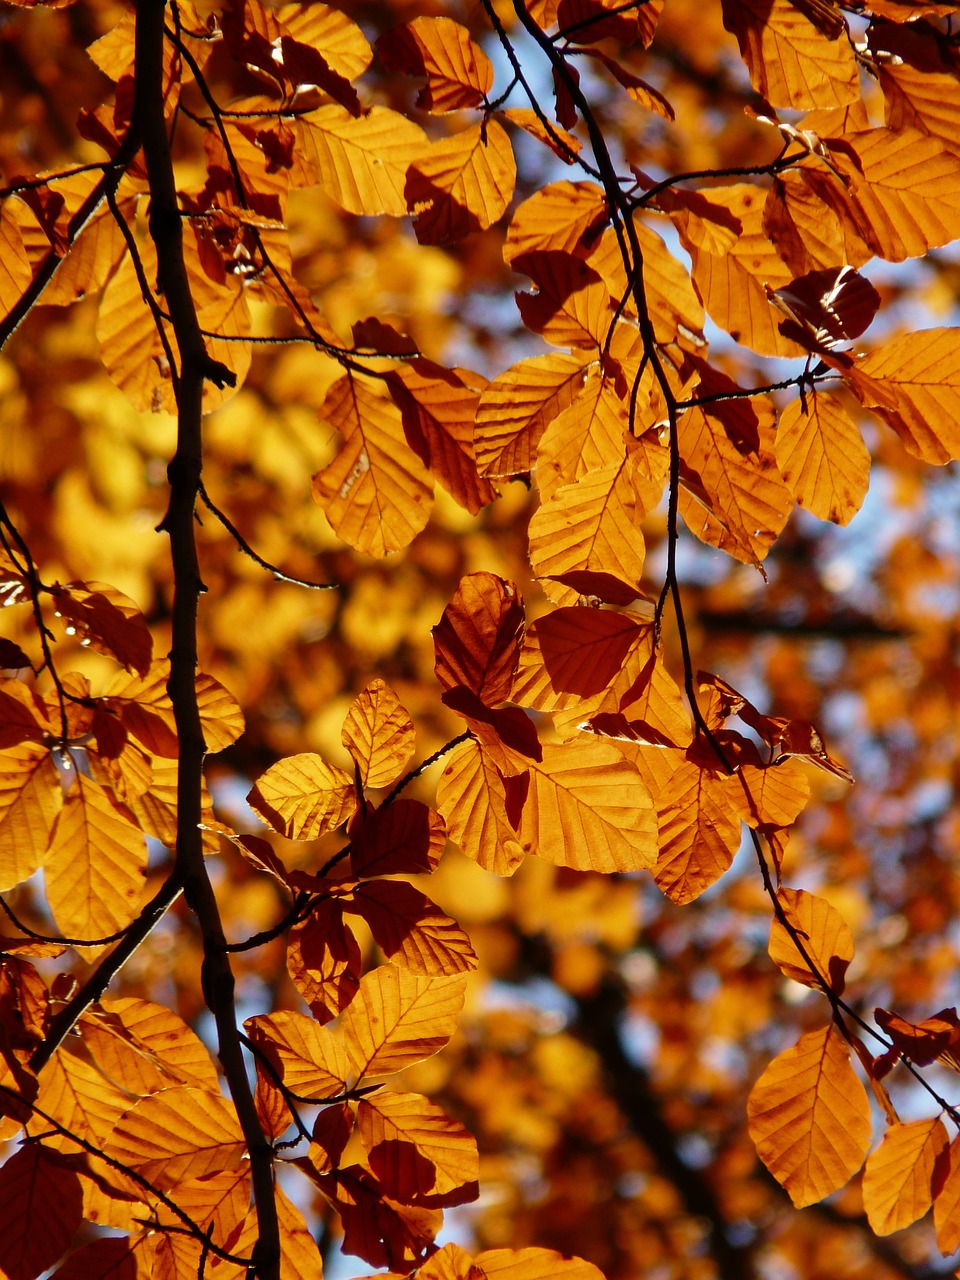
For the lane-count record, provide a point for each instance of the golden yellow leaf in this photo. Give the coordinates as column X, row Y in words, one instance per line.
column 361, row 162
column 418, row 1153
column 462, row 183
column 310, row 1059
column 15, row 270
column 913, row 382
column 302, row 796
column 589, row 809
column 80, row 1098
column 220, row 713
column 822, row 457
column 400, row 1018
column 376, row 493
column 571, row 307
column 824, row 933
column 178, row 1134
column 586, row 435
column 792, row 63
column 144, row 1047
column 561, row 143
column 379, row 734
column 30, row 799
column 94, row 869
column 516, row 408
column 809, row 1116
column 129, row 344
column 472, row 798
column 898, row 1178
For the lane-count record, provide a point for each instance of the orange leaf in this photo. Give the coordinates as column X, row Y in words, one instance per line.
column 438, row 412
column 534, row 1264
column 913, row 382
column 459, row 74
column 580, row 650
column 145, row 708
column 562, row 216
column 310, row 1059
column 94, row 870
column 822, row 457
column 899, row 1176
column 30, row 799
column 477, row 640
column 144, row 1047
column 379, row 734
column 418, row 1153
column 792, row 63
column 809, row 1116
column 946, row 1204
column 462, row 184
column 516, row 408
column 561, row 143
column 572, row 306
column 412, row 931
column 178, row 1134
column 220, row 714
column 130, row 347
column 775, row 794
column 375, row 493
column 78, row 1096
column 341, row 41
column 400, row 1018
column 15, row 270
column 589, row 809
column 362, row 162
column 303, row 796
column 481, row 810
column 41, row 1206
column 824, row 933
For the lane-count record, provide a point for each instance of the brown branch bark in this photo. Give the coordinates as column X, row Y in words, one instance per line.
column 185, row 474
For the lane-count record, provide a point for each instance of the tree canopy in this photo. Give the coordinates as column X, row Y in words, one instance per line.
column 478, row 723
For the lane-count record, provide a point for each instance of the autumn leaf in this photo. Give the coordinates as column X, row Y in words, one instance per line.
column 303, row 796
column 899, row 1174
column 30, row 800
column 825, row 936
column 810, row 1117
column 375, row 493
column 411, row 931
column 462, row 184
column 417, row 1152
column 477, row 640
column 379, row 734
column 516, row 408
column 177, row 1134
column 482, row 808
column 459, row 74
column 400, row 1018
column 822, row 457
column 309, row 1059
column 42, row 1206
column 361, row 163
column 405, row 837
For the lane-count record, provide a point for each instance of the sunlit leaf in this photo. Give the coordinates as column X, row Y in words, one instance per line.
column 310, row 1059
column 361, row 163
column 459, row 74
column 41, row 1205
column 810, row 1117
column 419, row 1154
column 303, row 796
column 824, row 934
column 379, row 734
column 792, row 63
column 481, row 809
column 411, row 931
column 516, row 408
column 822, row 457
column 400, row 1018
column 477, row 640
column 899, row 1174
column 30, row 799
column 462, row 184
column 375, row 493
column 177, row 1134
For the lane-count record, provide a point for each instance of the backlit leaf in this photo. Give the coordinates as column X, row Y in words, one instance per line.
column 30, row 799
column 379, row 734
column 310, row 1059
column 41, row 1206
column 361, row 163
column 303, row 796
column 589, row 809
column 477, row 640
column 177, row 1134
column 462, row 184
column 825, row 936
column 899, row 1174
column 411, row 931
column 400, row 1018
column 419, row 1154
column 913, row 382
column 375, row 493
column 571, row 306
column 94, row 869
column 534, row 1264
column 946, row 1205
column 459, row 73
column 323, row 959
column 792, row 63
column 516, row 408
column 810, row 1117
column 403, row 838
column 481, row 809
column 822, row 457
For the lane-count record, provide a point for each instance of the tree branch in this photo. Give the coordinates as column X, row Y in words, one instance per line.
column 184, row 474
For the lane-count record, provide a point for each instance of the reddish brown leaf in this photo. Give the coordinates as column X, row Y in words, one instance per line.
column 405, row 838
column 477, row 640
column 459, row 73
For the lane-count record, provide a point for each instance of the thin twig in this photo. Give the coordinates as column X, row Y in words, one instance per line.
column 247, row 550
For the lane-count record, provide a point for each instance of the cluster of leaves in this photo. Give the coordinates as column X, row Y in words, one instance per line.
column 249, row 152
